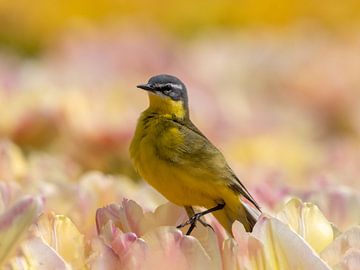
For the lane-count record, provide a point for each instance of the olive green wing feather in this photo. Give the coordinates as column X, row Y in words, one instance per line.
column 197, row 152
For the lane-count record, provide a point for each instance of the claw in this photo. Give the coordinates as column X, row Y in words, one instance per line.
column 206, row 225
column 192, row 222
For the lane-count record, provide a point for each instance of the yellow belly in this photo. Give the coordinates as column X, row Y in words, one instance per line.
column 190, row 185
column 184, row 185
column 176, row 184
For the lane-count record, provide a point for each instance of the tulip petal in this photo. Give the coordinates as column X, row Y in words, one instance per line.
column 15, row 222
column 165, row 215
column 61, row 234
column 41, row 256
column 102, row 257
column 130, row 250
column 13, row 165
column 126, row 217
column 284, row 249
column 168, row 248
column 208, row 240
column 129, row 217
column 349, row 240
column 351, row 261
column 307, row 220
column 250, row 251
column 230, row 257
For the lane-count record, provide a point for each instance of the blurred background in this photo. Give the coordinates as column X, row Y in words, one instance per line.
column 274, row 84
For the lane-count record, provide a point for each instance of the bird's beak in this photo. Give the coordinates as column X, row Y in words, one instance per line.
column 147, row 87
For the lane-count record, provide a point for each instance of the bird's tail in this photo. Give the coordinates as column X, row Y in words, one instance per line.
column 241, row 210
column 252, row 214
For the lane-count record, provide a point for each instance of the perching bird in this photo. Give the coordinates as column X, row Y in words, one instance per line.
column 173, row 156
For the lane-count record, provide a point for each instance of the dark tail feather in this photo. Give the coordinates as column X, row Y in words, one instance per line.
column 252, row 215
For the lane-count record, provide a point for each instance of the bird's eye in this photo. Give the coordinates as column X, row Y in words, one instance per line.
column 167, row 92
column 166, row 89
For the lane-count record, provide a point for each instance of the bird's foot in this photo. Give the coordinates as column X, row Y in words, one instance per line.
column 192, row 222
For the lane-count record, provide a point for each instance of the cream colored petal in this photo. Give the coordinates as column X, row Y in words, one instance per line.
column 230, row 258
column 351, row 261
column 307, row 220
column 250, row 251
column 102, row 257
column 61, row 234
column 40, row 256
column 17, row 263
column 165, row 215
column 208, row 240
column 284, row 249
column 15, row 222
column 13, row 165
column 349, row 240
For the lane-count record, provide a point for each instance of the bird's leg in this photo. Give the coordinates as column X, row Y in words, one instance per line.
column 189, row 211
column 197, row 217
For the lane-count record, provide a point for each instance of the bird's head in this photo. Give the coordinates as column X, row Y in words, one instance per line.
column 167, row 95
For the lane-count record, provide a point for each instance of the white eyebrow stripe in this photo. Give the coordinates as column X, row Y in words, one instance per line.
column 173, row 85
column 178, row 86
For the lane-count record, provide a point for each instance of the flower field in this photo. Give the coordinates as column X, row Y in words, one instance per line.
column 278, row 95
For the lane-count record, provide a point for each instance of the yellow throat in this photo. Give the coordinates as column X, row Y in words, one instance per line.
column 167, row 107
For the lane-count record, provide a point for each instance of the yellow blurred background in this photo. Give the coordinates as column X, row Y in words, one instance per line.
column 31, row 26
column 274, row 84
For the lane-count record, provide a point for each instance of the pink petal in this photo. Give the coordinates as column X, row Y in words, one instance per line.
column 168, row 248
column 127, row 217
column 122, row 243
column 15, row 222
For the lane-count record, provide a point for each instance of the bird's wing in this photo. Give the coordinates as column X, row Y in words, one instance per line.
column 196, row 150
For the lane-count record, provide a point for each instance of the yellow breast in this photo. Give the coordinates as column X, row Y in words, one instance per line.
column 176, row 184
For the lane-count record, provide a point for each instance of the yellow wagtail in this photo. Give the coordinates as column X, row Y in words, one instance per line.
column 173, row 156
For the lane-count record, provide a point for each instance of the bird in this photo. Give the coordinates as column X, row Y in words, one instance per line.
column 181, row 163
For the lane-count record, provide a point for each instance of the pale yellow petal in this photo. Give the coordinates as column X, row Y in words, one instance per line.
column 13, row 165
column 63, row 236
column 307, row 220
column 18, row 263
column 284, row 249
